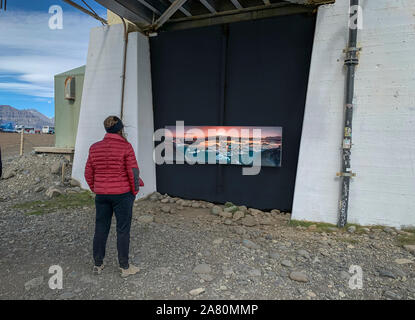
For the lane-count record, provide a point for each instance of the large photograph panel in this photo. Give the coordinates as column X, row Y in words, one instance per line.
column 240, row 145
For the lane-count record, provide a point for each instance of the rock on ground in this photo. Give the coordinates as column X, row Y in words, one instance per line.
column 202, row 268
column 298, row 276
column 196, row 292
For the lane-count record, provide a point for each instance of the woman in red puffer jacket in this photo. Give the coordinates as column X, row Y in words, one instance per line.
column 112, row 174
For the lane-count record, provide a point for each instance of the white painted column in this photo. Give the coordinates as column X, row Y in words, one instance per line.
column 383, row 152
column 138, row 110
column 101, row 97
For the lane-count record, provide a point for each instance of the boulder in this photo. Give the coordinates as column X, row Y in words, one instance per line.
column 238, row 215
column 52, row 192
column 231, row 209
column 298, row 276
column 225, row 214
column 74, row 183
column 249, row 221
column 303, row 253
column 202, row 268
column 410, row 248
column 255, row 273
column 155, row 196
column 254, row 212
column 287, row 263
column 243, row 209
column 195, row 205
column 389, row 230
column 165, row 209
column 56, row 168
column 36, row 282
column 403, row 261
column 146, row 218
column 216, row 210
column 39, row 189
column 249, row 244
column 351, row 229
column 196, row 292
column 265, row 221
column 9, row 173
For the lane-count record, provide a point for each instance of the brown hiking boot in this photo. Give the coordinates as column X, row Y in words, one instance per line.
column 130, row 271
column 98, row 270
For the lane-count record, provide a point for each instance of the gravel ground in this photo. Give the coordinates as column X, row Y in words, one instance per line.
column 185, row 249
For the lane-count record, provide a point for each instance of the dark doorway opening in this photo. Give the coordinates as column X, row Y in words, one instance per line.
column 251, row 73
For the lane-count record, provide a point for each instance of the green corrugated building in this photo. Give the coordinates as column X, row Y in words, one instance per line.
column 68, row 96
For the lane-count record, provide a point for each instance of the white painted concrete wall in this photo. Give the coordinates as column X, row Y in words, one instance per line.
column 138, row 110
column 383, row 152
column 102, row 97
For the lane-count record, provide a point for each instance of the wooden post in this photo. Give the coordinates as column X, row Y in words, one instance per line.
column 21, row 142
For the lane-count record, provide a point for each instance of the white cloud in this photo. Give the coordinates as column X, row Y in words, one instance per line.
column 31, row 53
column 27, row 89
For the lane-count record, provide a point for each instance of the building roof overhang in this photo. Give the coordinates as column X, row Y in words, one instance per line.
column 151, row 16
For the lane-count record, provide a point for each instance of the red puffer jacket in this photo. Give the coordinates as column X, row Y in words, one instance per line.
column 112, row 167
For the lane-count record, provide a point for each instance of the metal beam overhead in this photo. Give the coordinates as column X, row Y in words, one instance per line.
column 245, row 14
column 131, row 10
column 151, row 15
column 209, row 5
column 148, row 5
column 184, row 9
column 237, row 4
column 168, row 13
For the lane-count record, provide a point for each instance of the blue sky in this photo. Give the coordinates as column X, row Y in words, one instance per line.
column 31, row 53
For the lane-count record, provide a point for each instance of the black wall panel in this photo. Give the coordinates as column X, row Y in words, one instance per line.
column 251, row 73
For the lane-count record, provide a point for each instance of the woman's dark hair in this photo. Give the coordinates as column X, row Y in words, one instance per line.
column 112, row 121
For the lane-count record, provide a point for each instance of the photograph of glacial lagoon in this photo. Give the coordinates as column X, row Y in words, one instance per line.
column 240, row 145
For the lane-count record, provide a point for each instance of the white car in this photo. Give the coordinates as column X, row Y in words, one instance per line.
column 48, row 129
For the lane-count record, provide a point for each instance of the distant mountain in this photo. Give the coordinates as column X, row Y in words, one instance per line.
column 26, row 117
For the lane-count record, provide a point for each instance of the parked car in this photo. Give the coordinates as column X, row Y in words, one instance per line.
column 29, row 130
column 7, row 127
column 48, row 129
column 18, row 128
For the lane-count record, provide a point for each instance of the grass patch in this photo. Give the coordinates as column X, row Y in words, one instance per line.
column 36, row 212
column 372, row 227
column 410, row 230
column 64, row 201
column 328, row 227
column 298, row 223
column 321, row 227
column 406, row 239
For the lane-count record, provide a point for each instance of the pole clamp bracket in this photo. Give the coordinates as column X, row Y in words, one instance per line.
column 352, row 49
column 352, row 55
column 346, row 174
